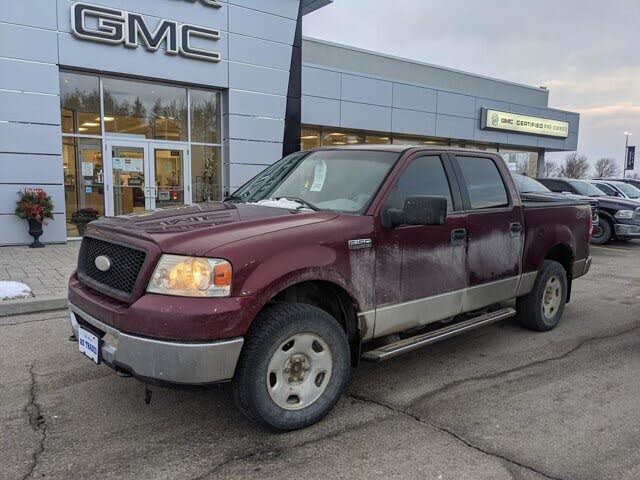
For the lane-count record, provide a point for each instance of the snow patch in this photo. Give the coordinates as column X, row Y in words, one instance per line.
column 12, row 290
column 281, row 203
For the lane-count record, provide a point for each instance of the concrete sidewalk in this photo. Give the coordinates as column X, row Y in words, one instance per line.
column 46, row 271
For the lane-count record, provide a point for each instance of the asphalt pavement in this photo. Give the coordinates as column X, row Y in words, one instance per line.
column 497, row 403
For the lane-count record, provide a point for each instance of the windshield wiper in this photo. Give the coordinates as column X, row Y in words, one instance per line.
column 302, row 201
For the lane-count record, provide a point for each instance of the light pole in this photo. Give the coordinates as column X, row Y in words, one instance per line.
column 627, row 134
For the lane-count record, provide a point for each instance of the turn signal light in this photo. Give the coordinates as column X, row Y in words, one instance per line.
column 222, row 275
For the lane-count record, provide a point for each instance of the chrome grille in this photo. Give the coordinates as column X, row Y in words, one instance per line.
column 125, row 264
column 636, row 216
column 594, row 210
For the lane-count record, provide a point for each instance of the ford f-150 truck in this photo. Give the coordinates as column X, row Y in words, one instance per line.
column 327, row 258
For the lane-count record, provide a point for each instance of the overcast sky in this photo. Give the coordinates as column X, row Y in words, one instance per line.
column 586, row 52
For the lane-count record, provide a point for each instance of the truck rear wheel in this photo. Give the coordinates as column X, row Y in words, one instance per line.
column 543, row 307
column 293, row 368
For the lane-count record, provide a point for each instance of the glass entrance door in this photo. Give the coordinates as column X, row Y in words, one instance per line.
column 143, row 176
column 170, row 165
column 130, row 177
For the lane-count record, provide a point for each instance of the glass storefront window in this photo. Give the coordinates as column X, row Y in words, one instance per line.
column 520, row 161
column 418, row 141
column 80, row 104
column 342, row 138
column 206, row 181
column 377, row 139
column 137, row 109
column 205, row 114
column 83, row 181
column 309, row 139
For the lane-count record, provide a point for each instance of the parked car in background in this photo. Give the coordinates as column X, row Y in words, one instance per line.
column 617, row 189
column 531, row 189
column 631, row 181
column 619, row 217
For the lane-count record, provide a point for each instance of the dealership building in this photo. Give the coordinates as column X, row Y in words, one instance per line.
column 123, row 106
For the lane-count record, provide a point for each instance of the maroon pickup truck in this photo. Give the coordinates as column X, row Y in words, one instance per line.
column 326, row 258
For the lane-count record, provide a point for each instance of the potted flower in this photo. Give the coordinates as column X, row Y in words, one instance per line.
column 82, row 217
column 35, row 206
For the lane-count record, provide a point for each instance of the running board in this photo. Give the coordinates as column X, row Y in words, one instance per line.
column 412, row 343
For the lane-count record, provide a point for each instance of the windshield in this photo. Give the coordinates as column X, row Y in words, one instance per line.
column 526, row 184
column 335, row 180
column 629, row 190
column 585, row 188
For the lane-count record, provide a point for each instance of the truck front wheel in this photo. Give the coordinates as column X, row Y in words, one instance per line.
column 293, row 368
column 543, row 307
column 602, row 232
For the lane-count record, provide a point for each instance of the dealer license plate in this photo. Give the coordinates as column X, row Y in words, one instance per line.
column 89, row 344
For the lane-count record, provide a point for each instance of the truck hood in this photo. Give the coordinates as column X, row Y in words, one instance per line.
column 617, row 203
column 197, row 229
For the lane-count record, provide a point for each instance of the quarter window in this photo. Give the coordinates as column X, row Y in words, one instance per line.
column 425, row 176
column 484, row 183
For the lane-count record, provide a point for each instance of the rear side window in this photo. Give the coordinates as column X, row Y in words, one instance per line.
column 484, row 183
column 425, row 176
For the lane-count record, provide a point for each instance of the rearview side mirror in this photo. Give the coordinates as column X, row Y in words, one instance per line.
column 420, row 210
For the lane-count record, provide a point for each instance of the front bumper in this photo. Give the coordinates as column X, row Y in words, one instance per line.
column 186, row 363
column 627, row 230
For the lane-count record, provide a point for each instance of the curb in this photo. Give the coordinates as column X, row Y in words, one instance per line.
column 34, row 305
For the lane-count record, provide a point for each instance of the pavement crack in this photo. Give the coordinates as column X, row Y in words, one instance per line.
column 493, row 375
column 36, row 421
column 447, row 431
column 275, row 451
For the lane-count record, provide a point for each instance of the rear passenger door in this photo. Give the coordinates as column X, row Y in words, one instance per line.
column 495, row 231
column 421, row 269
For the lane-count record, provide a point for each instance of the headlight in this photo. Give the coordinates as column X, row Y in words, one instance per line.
column 191, row 277
column 628, row 214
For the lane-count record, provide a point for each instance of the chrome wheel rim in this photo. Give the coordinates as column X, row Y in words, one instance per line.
column 299, row 371
column 552, row 297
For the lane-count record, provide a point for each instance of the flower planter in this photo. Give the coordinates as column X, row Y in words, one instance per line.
column 35, row 230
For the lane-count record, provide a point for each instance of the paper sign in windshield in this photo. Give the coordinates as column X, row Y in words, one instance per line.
column 320, row 175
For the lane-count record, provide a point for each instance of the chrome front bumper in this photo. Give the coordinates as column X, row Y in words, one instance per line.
column 193, row 363
column 626, row 230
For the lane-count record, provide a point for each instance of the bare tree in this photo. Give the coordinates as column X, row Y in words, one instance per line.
column 550, row 169
column 605, row 168
column 576, row 165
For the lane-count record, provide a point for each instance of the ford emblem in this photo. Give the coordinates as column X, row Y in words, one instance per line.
column 103, row 263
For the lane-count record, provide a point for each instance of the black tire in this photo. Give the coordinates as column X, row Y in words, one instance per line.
column 533, row 311
column 602, row 233
column 254, row 383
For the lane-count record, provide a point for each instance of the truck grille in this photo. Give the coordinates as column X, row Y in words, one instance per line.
column 636, row 216
column 594, row 210
column 125, row 264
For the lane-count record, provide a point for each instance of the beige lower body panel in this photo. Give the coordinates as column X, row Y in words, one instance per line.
column 416, row 313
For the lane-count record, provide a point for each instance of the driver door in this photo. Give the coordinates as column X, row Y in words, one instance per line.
column 421, row 270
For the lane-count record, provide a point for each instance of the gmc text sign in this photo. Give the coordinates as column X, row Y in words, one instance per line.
column 115, row 27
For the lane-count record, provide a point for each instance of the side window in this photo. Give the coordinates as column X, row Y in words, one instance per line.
column 606, row 189
column 484, row 183
column 553, row 185
column 424, row 176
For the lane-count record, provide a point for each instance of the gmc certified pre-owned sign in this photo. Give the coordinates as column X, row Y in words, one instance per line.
column 108, row 25
column 513, row 122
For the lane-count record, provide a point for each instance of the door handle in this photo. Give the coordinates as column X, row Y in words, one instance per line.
column 459, row 236
column 515, row 229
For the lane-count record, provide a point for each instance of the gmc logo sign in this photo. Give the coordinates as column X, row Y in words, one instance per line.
column 117, row 27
